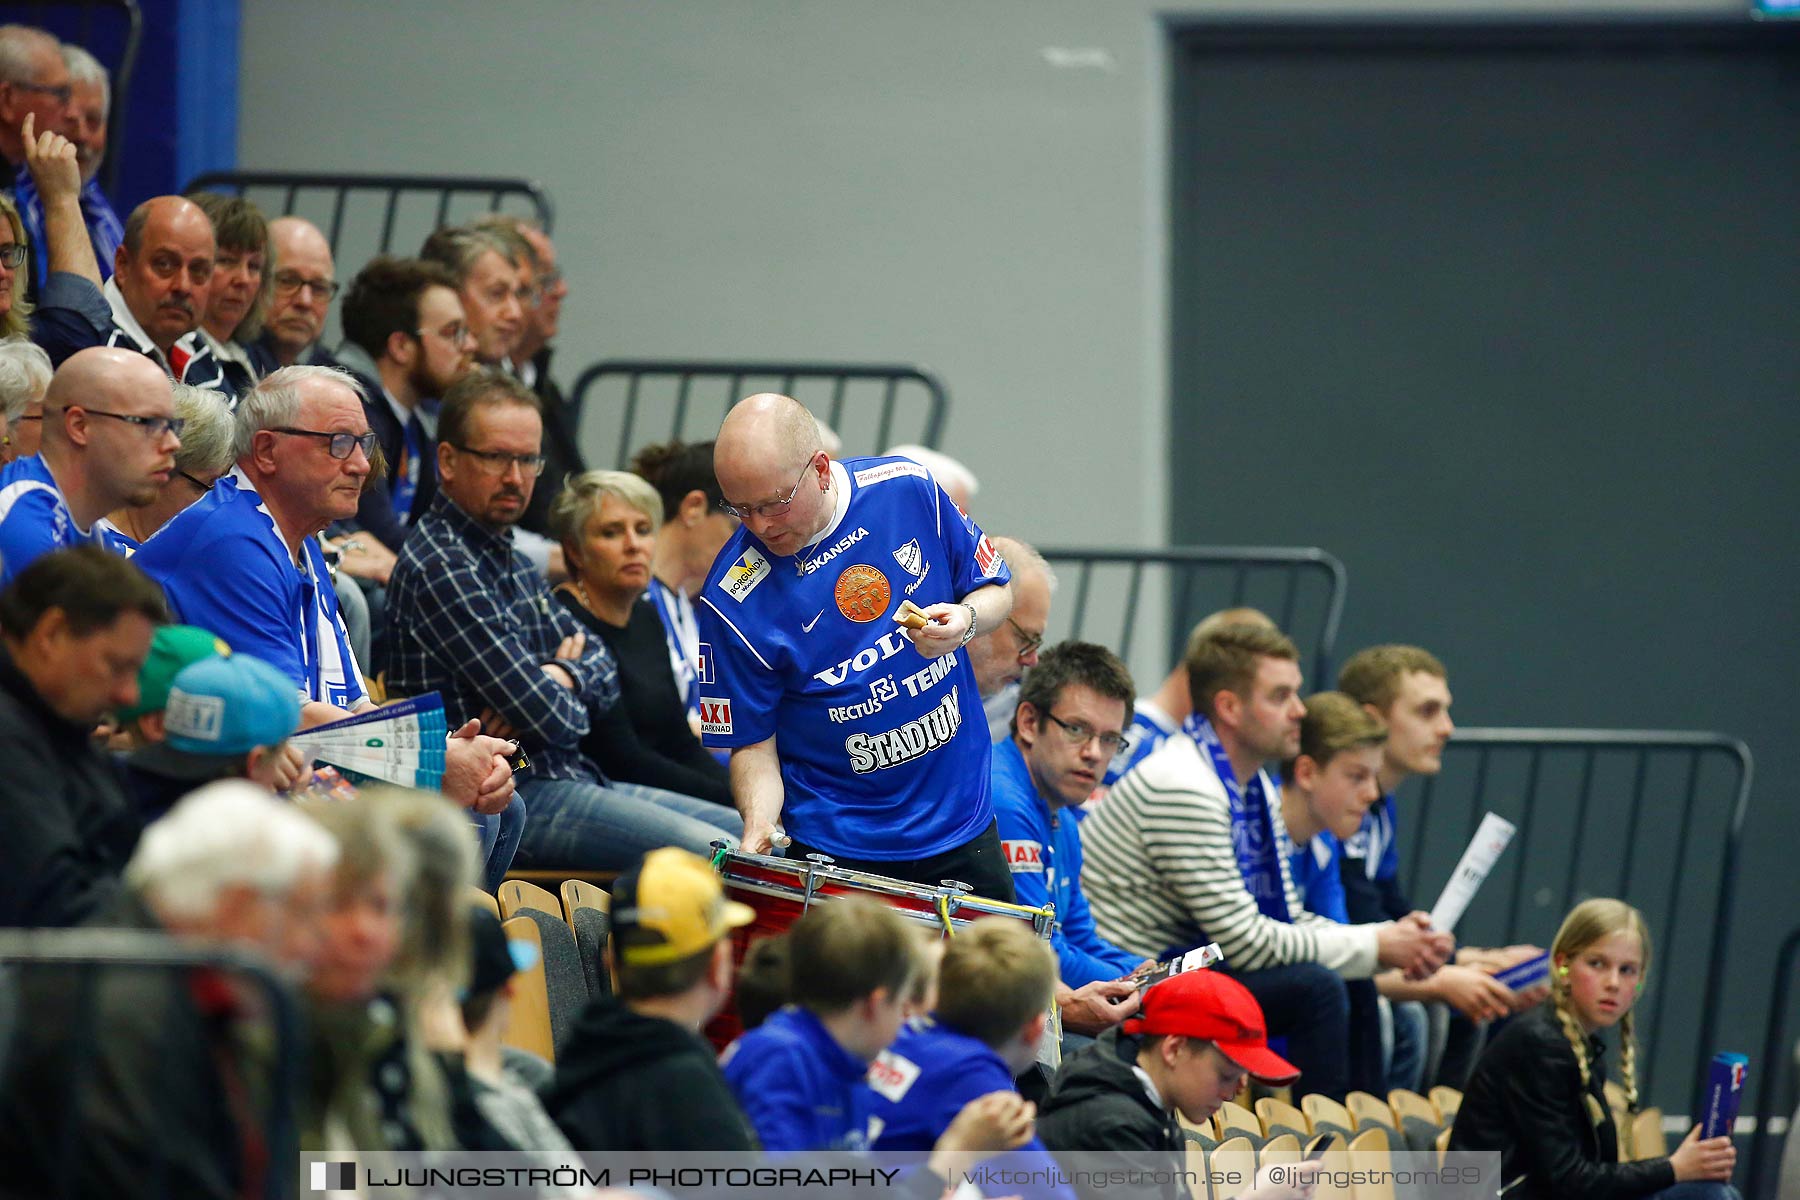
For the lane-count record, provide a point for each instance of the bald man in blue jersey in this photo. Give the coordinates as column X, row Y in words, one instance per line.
column 862, row 739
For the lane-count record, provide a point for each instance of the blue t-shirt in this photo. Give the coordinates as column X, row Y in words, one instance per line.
column 1375, row 845
column 1043, row 850
column 226, row 568
column 1314, row 870
column 34, row 518
column 797, row 1085
column 884, row 753
column 1150, row 728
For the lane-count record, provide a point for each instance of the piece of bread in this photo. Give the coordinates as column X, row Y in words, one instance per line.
column 911, row 615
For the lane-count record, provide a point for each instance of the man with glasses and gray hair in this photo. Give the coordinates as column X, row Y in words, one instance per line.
column 90, row 103
column 305, row 282
column 109, row 442
column 34, row 81
column 1001, row 655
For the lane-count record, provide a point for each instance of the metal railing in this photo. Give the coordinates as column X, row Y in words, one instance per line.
column 94, row 953
column 365, row 215
column 1775, row 1066
column 1100, row 590
column 622, row 404
column 110, row 30
column 1643, row 815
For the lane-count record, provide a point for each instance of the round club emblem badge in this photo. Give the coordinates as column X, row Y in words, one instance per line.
column 862, row 593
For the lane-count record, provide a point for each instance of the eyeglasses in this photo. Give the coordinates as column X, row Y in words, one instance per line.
column 62, row 93
column 13, row 257
column 1028, row 642
column 204, row 487
column 773, row 508
column 288, row 282
column 1080, row 734
column 456, row 334
column 498, row 461
column 155, row 426
column 341, row 443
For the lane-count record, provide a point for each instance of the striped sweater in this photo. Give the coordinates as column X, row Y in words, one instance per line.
column 1160, row 875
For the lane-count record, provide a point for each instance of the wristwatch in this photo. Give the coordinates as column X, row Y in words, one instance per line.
column 969, row 633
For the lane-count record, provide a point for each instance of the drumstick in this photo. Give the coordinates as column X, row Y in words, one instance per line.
column 911, row 615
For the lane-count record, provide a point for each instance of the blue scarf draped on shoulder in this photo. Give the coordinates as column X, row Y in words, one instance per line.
column 1252, row 830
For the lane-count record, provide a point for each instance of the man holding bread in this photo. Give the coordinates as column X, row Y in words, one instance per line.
column 832, row 660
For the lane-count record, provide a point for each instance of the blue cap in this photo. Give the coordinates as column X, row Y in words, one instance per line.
column 228, row 706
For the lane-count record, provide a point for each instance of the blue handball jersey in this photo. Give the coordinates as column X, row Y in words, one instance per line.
column 884, row 753
column 34, row 519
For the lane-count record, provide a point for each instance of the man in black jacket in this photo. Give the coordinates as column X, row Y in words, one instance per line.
column 75, row 627
column 636, row 1074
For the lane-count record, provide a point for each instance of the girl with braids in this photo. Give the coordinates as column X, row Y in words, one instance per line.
column 1535, row 1094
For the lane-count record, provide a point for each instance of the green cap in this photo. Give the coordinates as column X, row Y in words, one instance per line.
column 173, row 647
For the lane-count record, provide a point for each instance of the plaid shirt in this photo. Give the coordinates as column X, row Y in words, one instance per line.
column 467, row 618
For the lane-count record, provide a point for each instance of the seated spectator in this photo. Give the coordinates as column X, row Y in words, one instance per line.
column 109, row 441
column 1537, row 1095
column 1075, row 702
column 606, row 522
column 243, row 561
column 238, row 299
column 1158, row 717
column 405, row 336
column 172, row 647
column 1199, row 1036
column 486, row 265
column 851, row 964
column 694, row 529
column 1183, row 852
column 305, row 282
column 635, row 1073
column 1001, row 655
column 993, row 995
column 90, row 102
column 15, row 273
column 466, row 619
column 75, row 628
column 144, row 1083
column 24, row 377
column 1407, row 689
column 227, row 716
column 208, row 436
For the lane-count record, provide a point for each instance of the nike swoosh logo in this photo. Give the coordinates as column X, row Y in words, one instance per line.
column 807, row 628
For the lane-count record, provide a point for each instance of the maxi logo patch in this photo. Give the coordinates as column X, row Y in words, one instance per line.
column 1024, row 858
column 703, row 663
column 892, row 1076
column 715, row 715
column 742, row 576
column 911, row 741
column 910, row 558
column 986, row 557
column 862, row 593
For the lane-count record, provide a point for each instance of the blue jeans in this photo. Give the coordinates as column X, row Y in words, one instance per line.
column 500, row 833
column 1405, row 1034
column 1309, row 1006
column 579, row 824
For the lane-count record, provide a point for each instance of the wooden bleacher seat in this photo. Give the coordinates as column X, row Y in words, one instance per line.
column 1282, row 1147
column 1237, row 1121
column 1447, row 1100
column 530, row 1027
column 1337, row 1162
column 516, row 894
column 1237, row 1155
column 1370, row 1155
column 579, row 893
column 1326, row 1114
column 588, row 911
column 1367, row 1109
column 1443, row 1146
column 1410, row 1104
column 1646, row 1140
column 479, row 897
column 1279, row 1117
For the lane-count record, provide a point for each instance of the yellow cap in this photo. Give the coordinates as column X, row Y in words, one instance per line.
column 671, row 907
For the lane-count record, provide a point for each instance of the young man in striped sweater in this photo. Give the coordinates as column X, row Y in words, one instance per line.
column 1183, row 852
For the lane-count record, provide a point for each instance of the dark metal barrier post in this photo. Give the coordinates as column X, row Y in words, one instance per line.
column 1773, row 1066
column 1240, row 575
column 142, row 950
column 1563, row 788
column 619, row 388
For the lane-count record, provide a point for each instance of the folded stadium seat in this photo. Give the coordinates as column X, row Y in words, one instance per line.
column 1443, row 1145
column 1237, row 1121
column 1369, row 1110
column 1446, row 1100
column 481, row 898
column 516, row 894
column 1647, row 1140
column 589, row 913
column 1194, row 1160
column 565, row 979
column 1279, row 1117
column 1328, row 1116
column 1406, row 1104
column 1371, row 1157
column 1282, row 1147
column 1235, row 1155
column 1337, row 1163
column 530, row 1027
column 1204, row 1136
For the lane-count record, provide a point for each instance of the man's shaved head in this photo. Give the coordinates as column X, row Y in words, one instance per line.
column 771, row 425
column 105, row 373
column 770, row 463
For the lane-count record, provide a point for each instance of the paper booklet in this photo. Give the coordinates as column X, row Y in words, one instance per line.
column 400, row 743
column 1194, row 960
column 1483, row 852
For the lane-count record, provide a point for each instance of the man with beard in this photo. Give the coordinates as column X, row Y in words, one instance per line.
column 109, row 441
column 405, row 335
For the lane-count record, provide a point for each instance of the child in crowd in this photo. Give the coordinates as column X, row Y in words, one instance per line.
column 762, row 981
column 1536, row 1094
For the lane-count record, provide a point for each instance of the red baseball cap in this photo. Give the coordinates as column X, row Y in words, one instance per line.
column 1218, row 1009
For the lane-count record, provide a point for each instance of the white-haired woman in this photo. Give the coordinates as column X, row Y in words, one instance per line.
column 205, row 455
column 24, row 378
column 606, row 523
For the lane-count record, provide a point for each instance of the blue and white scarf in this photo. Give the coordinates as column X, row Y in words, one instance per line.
column 1252, row 832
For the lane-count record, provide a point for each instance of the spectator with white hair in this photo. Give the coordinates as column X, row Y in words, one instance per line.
column 24, row 378
column 1001, row 655
column 950, row 473
column 89, row 105
column 208, row 432
column 152, row 1072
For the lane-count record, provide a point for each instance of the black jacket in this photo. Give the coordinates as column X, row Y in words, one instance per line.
column 69, row 828
column 1100, row 1104
column 562, row 450
column 1525, row 1100
column 631, row 1082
